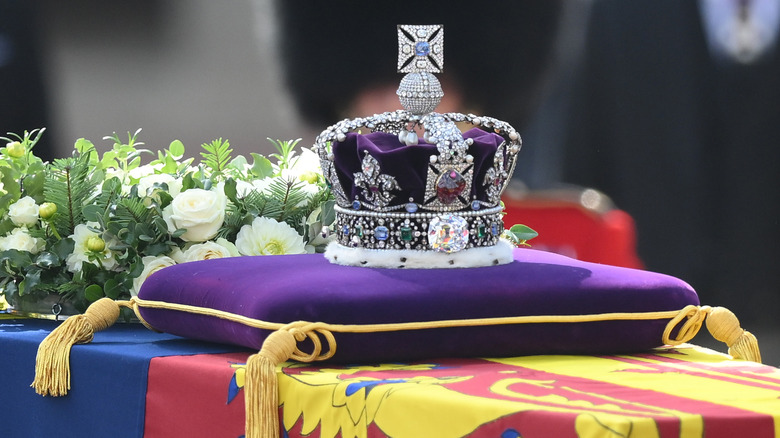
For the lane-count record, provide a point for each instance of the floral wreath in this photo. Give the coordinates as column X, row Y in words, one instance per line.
column 91, row 226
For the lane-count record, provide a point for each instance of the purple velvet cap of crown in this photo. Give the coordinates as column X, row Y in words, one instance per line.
column 283, row 289
column 407, row 164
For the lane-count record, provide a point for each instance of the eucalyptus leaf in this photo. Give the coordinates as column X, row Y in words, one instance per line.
column 261, row 167
column 112, row 289
column 239, row 163
column 10, row 184
column 93, row 292
column 176, row 148
column 93, row 213
column 328, row 212
column 82, row 145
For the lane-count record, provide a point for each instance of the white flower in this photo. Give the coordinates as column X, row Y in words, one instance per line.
column 268, row 237
column 200, row 211
column 19, row 239
column 261, row 185
column 146, row 183
column 24, row 212
column 152, row 264
column 141, row 171
column 81, row 234
column 177, row 254
column 208, row 250
column 307, row 163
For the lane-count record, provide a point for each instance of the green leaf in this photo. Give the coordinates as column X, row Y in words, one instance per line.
column 34, row 181
column 63, row 248
column 31, row 280
column 216, row 155
column 230, row 190
column 189, row 182
column 239, row 163
column 92, row 213
column 261, row 167
column 47, row 260
column 522, row 232
column 112, row 289
column 328, row 212
column 10, row 184
column 93, row 292
column 176, row 148
column 83, row 145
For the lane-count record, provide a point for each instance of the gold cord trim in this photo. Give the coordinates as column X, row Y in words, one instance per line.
column 313, row 330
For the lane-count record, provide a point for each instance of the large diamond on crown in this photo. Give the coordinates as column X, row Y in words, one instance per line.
column 448, row 233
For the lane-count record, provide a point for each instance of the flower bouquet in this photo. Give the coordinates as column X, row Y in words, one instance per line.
column 90, row 226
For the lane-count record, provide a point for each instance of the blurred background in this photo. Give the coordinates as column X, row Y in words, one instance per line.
column 192, row 70
column 624, row 97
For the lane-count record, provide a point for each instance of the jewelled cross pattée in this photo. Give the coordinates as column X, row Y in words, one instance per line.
column 420, row 48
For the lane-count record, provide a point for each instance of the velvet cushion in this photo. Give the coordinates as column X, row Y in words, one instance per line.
column 284, row 289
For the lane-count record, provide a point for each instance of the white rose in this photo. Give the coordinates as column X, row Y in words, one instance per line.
column 209, row 250
column 81, row 234
column 268, row 237
column 152, row 264
column 176, row 254
column 24, row 212
column 146, row 183
column 20, row 240
column 200, row 211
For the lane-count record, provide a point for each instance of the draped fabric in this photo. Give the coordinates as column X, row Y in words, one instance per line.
column 130, row 382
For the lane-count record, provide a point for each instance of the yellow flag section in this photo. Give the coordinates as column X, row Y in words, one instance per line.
column 692, row 389
column 684, row 391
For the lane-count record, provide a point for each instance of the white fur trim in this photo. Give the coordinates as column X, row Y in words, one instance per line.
column 499, row 254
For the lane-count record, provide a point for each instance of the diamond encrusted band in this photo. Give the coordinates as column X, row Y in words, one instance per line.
column 443, row 232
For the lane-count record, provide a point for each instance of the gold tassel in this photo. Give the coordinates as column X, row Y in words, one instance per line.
column 261, row 388
column 724, row 326
column 52, row 364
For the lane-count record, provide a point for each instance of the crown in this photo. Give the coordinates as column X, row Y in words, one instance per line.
column 407, row 202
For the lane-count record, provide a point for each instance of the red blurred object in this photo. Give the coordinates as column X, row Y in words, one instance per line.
column 579, row 223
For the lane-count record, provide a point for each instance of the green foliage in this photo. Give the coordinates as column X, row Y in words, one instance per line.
column 216, row 155
column 284, row 151
column 519, row 234
column 70, row 186
column 170, row 159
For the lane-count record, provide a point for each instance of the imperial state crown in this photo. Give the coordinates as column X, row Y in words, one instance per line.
column 410, row 202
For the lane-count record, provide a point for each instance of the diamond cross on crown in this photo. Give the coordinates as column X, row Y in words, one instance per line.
column 420, row 48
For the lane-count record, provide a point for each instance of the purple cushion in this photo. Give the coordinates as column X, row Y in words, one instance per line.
column 307, row 287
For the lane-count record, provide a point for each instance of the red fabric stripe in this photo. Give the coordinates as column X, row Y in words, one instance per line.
column 187, row 397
